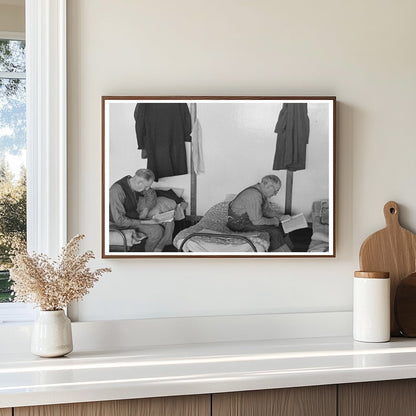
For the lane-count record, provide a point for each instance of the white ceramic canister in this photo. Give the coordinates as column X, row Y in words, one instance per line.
column 371, row 308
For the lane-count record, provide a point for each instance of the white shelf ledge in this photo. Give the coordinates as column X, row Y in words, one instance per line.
column 151, row 371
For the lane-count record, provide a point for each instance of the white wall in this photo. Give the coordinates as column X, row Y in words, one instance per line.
column 362, row 52
column 12, row 17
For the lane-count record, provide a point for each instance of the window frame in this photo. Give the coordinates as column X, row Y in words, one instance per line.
column 12, row 35
column 46, row 120
column 46, row 125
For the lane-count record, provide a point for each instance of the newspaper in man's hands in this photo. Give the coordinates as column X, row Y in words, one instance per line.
column 159, row 218
column 294, row 223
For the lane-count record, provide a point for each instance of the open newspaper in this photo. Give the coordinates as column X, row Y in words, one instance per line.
column 159, row 218
column 296, row 222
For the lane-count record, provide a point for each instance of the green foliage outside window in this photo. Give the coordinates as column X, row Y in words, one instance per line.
column 12, row 224
column 12, row 148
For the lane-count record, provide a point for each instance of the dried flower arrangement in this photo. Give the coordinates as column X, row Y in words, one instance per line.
column 52, row 285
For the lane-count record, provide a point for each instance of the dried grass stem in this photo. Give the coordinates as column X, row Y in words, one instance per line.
column 53, row 285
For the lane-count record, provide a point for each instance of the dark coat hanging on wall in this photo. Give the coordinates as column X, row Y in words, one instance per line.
column 292, row 130
column 162, row 130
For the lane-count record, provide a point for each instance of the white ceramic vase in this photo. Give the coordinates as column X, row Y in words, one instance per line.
column 52, row 334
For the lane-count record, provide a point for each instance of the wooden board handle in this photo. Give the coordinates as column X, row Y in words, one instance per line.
column 391, row 214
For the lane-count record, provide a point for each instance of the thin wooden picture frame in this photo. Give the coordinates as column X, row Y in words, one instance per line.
column 207, row 152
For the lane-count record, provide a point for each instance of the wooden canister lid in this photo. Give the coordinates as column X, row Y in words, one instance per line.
column 372, row 275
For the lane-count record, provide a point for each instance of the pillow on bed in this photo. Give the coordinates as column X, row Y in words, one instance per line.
column 320, row 236
column 324, row 213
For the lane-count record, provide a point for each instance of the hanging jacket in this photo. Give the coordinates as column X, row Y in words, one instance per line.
column 292, row 130
column 162, row 130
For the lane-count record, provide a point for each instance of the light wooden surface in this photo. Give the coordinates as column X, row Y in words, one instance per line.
column 392, row 250
column 383, row 398
column 298, row 401
column 5, row 412
column 163, row 406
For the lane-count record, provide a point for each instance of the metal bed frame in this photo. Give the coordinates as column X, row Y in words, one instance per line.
column 118, row 231
column 247, row 240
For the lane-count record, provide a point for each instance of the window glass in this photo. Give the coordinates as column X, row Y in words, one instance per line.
column 12, row 55
column 12, row 157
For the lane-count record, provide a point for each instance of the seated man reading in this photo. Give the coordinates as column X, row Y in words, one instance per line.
column 250, row 210
column 124, row 197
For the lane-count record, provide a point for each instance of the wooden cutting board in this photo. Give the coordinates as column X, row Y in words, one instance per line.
column 405, row 306
column 393, row 250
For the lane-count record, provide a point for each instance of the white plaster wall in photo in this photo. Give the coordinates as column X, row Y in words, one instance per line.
column 239, row 143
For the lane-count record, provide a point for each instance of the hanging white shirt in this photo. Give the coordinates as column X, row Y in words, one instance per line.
column 197, row 150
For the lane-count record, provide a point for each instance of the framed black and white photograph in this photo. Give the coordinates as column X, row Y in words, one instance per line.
column 218, row 176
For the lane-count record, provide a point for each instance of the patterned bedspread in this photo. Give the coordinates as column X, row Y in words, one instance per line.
column 214, row 221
